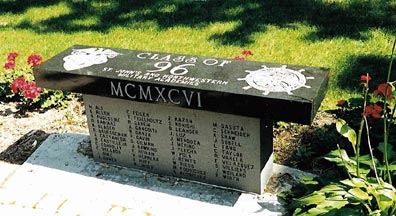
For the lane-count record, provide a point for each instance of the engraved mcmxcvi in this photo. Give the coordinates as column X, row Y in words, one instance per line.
column 155, row 94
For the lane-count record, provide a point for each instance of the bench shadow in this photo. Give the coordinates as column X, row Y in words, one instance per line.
column 351, row 19
column 72, row 153
column 20, row 151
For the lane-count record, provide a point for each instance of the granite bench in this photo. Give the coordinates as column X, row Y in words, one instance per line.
column 198, row 118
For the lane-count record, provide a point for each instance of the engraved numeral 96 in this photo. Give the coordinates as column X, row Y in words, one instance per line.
column 178, row 70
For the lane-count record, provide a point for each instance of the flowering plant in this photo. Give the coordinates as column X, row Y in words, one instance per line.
column 18, row 83
column 369, row 188
column 28, row 89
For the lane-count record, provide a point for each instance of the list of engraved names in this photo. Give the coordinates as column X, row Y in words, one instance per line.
column 191, row 144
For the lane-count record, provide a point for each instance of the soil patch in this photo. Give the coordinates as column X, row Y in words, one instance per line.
column 22, row 131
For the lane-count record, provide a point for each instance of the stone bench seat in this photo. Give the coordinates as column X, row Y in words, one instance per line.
column 200, row 118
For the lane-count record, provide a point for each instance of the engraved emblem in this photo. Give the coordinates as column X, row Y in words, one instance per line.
column 82, row 58
column 275, row 79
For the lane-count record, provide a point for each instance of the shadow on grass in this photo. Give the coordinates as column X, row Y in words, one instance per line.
column 349, row 19
column 20, row 6
column 355, row 66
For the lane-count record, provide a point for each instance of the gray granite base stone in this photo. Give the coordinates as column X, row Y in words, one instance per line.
column 216, row 148
column 60, row 178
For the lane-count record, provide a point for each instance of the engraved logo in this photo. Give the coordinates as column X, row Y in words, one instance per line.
column 82, row 58
column 275, row 79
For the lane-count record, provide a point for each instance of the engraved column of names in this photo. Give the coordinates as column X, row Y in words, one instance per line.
column 142, row 129
column 132, row 140
column 232, row 159
column 94, row 135
column 185, row 146
column 216, row 150
column 107, row 137
column 172, row 144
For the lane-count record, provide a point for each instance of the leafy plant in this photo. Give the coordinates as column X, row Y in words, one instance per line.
column 18, row 83
column 369, row 188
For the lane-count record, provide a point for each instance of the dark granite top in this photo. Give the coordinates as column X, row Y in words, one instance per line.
column 266, row 90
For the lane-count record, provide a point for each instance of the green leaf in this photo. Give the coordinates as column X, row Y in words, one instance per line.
column 297, row 211
column 341, row 126
column 333, row 204
column 346, row 162
column 364, row 170
column 352, row 138
column 365, row 159
column 348, row 182
column 359, row 194
column 391, row 152
column 346, row 131
column 372, row 181
column 331, row 187
column 358, row 182
column 338, row 156
column 389, row 186
column 337, row 197
column 310, row 199
column 385, row 203
column 392, row 167
column 388, row 193
column 316, row 211
column 308, row 180
column 387, row 196
column 345, row 212
column 333, row 192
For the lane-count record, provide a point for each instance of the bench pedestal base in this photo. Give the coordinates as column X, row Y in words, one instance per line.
column 221, row 149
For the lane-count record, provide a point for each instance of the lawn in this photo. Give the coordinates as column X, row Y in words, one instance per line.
column 350, row 37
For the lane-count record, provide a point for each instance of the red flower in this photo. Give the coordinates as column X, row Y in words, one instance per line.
column 384, row 89
column 247, row 52
column 12, row 56
column 373, row 110
column 365, row 78
column 341, row 103
column 9, row 65
column 30, row 90
column 18, row 83
column 34, row 60
column 239, row 58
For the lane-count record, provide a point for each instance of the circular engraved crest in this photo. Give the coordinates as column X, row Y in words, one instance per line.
column 275, row 79
column 82, row 58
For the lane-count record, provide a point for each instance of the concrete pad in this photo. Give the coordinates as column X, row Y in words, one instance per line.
column 59, row 180
column 6, row 170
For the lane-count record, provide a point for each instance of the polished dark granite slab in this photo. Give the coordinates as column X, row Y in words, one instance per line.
column 249, row 88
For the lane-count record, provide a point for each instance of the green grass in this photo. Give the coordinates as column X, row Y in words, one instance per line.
column 351, row 37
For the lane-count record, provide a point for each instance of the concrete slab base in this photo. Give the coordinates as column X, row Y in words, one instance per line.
column 58, row 179
column 6, row 171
